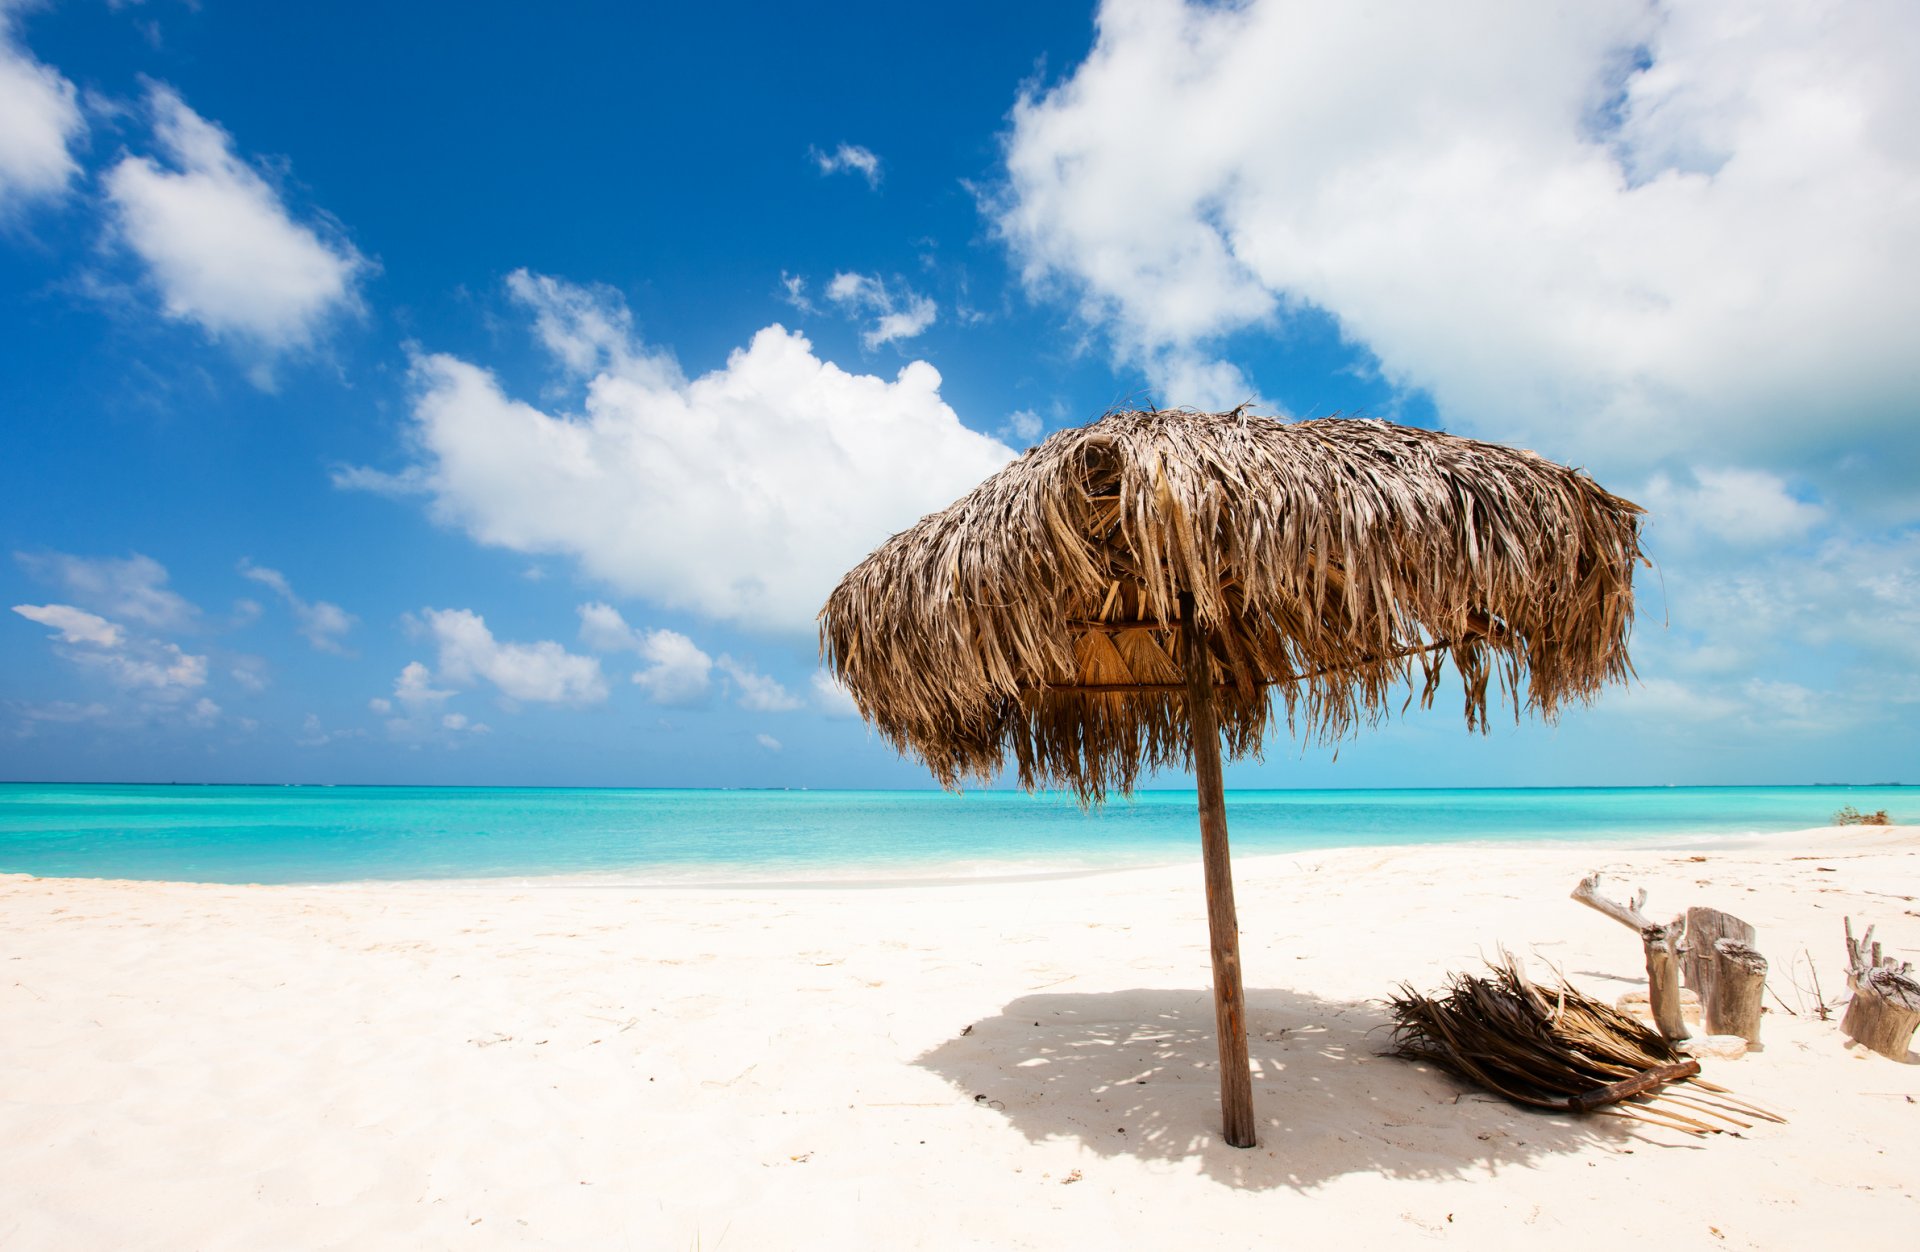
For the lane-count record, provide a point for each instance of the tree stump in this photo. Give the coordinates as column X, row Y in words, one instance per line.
column 1657, row 941
column 1698, row 962
column 1736, row 987
column 1885, row 1009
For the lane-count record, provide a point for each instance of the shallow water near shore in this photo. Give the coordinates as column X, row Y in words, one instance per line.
column 268, row 834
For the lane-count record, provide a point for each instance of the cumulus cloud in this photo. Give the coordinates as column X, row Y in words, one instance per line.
column 757, row 691
column 848, row 158
column 831, row 696
column 43, row 123
column 584, row 328
column 321, row 622
column 768, row 742
column 603, row 629
column 541, row 673
column 74, row 625
column 1024, row 425
column 1745, row 507
column 220, row 244
column 1624, row 229
column 154, row 670
column 677, row 673
column 414, row 689
column 151, row 668
column 742, row 494
column 895, row 316
column 132, row 588
column 156, row 674
column 1815, row 634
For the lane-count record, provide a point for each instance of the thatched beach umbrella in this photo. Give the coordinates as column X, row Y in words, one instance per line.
column 1125, row 594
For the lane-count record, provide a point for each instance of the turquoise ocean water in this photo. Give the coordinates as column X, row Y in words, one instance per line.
column 344, row 834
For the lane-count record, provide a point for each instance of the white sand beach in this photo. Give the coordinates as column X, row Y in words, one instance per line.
column 993, row 1064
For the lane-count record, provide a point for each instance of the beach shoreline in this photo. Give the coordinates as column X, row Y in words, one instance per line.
column 973, row 1062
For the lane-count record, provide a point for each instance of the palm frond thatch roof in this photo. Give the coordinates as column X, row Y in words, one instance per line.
column 1325, row 562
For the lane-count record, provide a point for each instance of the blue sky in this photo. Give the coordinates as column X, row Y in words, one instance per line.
column 456, row 394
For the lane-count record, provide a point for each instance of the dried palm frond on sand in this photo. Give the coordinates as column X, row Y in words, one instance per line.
column 1555, row 1048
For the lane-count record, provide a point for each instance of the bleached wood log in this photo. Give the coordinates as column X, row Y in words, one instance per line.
column 1698, row 962
column 1885, row 1009
column 1657, row 942
column 1736, row 988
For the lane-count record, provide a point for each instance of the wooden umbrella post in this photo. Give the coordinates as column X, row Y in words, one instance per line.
column 1229, row 999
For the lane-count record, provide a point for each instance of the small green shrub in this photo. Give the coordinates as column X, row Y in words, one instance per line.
column 1851, row 816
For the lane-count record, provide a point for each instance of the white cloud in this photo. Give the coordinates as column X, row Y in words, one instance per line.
column 1810, row 636
column 867, row 295
column 409, row 482
column 794, row 289
column 768, row 742
column 220, row 244
column 1744, row 507
column 134, row 588
column 380, row 705
column 1666, row 698
column 584, row 328
column 849, row 158
column 66, row 712
column 460, row 722
column 542, row 672
column 1024, row 425
column 414, row 689
column 321, row 622
column 74, row 625
column 43, row 123
column 603, row 629
column 742, row 494
column 161, row 671
column 678, row 672
column 1182, row 376
column 314, row 733
column 250, row 672
column 831, row 696
column 1492, row 198
column 757, row 691
column 152, row 668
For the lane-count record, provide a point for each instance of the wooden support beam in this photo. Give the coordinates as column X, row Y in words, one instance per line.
column 1165, row 688
column 1223, row 924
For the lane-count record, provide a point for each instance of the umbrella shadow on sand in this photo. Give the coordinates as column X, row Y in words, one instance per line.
column 1134, row 1074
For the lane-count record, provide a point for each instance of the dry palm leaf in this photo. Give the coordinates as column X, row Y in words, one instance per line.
column 1559, row 1049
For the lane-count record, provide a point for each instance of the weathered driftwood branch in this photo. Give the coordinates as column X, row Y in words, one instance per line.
column 1627, row 1088
column 1885, row 1008
column 1732, row 1003
column 1658, row 941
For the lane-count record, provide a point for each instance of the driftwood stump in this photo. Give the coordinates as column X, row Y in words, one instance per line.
column 1738, row 983
column 1658, row 941
column 1719, row 963
column 1698, row 961
column 1885, row 1008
